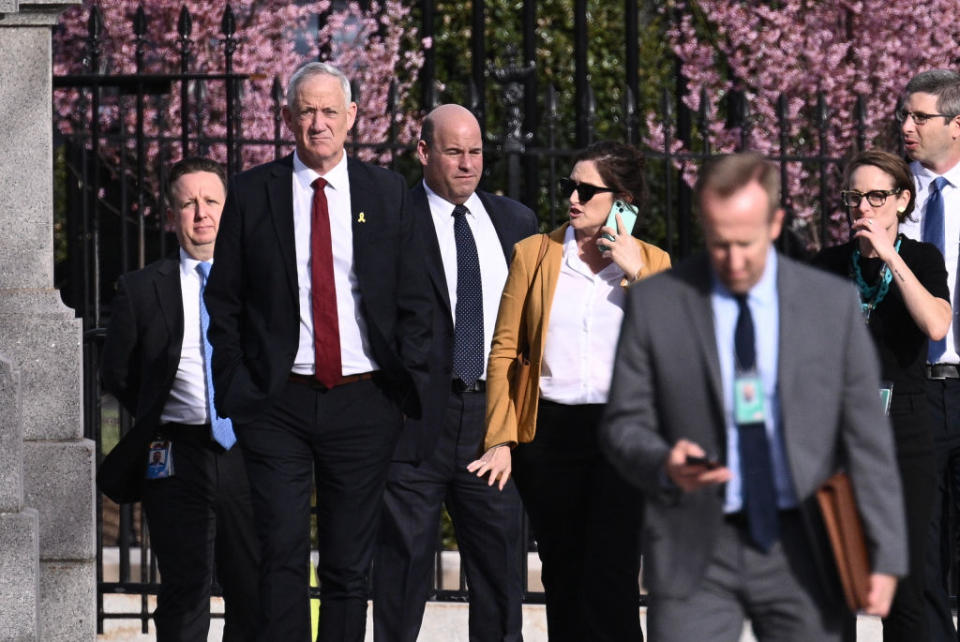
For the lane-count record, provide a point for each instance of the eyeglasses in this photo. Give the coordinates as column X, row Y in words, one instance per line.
column 919, row 118
column 585, row 191
column 876, row 197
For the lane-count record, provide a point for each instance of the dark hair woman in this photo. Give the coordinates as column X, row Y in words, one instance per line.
column 904, row 296
column 568, row 308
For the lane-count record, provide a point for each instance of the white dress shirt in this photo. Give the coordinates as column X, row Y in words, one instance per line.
column 493, row 264
column 912, row 227
column 187, row 403
column 354, row 349
column 585, row 318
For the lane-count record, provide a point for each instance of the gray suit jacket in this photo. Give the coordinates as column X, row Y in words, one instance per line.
column 667, row 386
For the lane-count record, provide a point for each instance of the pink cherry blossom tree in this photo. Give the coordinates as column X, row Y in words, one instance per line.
column 801, row 49
column 376, row 46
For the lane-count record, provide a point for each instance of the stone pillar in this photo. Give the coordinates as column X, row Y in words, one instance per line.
column 47, row 523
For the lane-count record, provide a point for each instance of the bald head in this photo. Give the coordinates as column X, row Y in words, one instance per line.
column 451, row 152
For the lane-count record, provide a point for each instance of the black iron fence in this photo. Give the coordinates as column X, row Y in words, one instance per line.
column 108, row 178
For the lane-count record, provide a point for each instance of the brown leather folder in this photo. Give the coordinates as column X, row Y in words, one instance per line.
column 845, row 531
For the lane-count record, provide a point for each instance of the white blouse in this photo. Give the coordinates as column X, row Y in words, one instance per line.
column 585, row 318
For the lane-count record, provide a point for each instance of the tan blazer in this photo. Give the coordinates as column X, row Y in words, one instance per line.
column 503, row 424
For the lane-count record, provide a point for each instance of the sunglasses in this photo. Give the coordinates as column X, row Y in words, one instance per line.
column 585, row 191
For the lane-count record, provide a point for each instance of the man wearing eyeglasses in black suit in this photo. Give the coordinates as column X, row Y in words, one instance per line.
column 930, row 124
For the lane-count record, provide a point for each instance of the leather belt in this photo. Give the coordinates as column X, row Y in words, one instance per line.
column 457, row 385
column 943, row 371
column 310, row 380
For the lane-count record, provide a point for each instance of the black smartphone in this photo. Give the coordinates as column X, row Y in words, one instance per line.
column 706, row 462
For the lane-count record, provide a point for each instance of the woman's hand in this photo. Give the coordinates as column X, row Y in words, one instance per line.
column 878, row 238
column 497, row 462
column 622, row 249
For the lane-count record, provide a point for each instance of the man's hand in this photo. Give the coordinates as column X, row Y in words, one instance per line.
column 882, row 588
column 690, row 477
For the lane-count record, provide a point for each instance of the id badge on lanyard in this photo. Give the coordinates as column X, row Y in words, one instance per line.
column 160, row 459
column 749, row 405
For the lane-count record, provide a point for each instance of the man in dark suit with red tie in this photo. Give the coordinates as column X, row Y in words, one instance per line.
column 320, row 325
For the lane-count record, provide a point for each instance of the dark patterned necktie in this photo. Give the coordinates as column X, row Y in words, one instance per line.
column 468, row 330
column 756, row 469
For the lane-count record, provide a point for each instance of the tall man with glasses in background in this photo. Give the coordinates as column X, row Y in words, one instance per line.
column 320, row 324
column 930, row 124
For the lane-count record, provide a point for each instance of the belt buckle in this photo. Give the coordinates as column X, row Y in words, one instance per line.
column 458, row 385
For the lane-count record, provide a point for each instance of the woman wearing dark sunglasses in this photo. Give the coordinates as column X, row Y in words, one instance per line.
column 567, row 309
column 904, row 297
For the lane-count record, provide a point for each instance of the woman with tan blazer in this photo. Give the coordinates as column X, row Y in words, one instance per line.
column 585, row 518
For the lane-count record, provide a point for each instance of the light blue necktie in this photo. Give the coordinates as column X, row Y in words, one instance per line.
column 933, row 232
column 221, row 428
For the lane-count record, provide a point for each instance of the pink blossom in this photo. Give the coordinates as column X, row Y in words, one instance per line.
column 799, row 48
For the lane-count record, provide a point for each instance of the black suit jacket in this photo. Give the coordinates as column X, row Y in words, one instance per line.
column 252, row 292
column 138, row 366
column 513, row 222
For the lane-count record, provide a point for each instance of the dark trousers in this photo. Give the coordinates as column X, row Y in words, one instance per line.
column 200, row 519
column 944, row 398
column 586, row 520
column 345, row 436
column 488, row 524
column 908, row 619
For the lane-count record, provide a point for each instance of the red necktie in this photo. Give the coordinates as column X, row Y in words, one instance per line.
column 323, row 292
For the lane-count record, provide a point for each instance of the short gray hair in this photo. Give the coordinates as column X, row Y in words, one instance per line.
column 311, row 69
column 942, row 83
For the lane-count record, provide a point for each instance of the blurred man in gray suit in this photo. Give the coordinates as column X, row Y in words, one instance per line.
column 744, row 380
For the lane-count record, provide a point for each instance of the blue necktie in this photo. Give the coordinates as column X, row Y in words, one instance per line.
column 468, row 330
column 933, row 232
column 756, row 468
column 221, row 428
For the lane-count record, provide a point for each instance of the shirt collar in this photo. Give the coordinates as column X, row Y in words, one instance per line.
column 925, row 176
column 440, row 204
column 188, row 264
column 571, row 254
column 764, row 291
column 337, row 177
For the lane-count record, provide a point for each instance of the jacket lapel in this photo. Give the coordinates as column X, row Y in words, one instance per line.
column 700, row 312
column 362, row 209
column 280, row 201
column 170, row 303
column 501, row 223
column 421, row 209
column 792, row 334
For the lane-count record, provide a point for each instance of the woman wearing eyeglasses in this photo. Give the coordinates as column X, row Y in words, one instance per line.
column 904, row 297
column 567, row 313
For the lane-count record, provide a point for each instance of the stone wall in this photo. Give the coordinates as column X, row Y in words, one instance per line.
column 47, row 525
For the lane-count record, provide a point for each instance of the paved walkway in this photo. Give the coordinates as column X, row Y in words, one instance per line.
column 444, row 622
